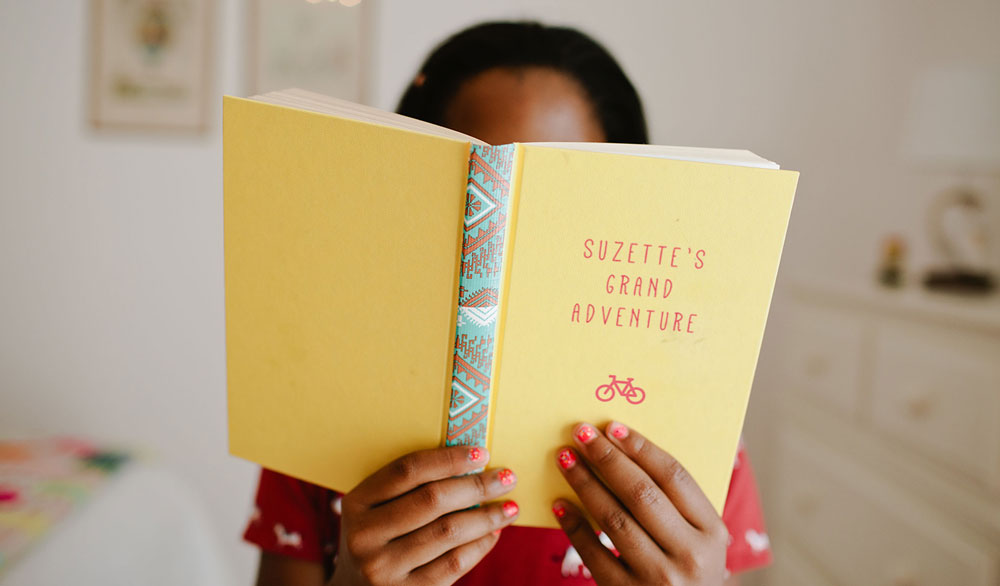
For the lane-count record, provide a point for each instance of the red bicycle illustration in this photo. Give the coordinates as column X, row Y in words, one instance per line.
column 632, row 394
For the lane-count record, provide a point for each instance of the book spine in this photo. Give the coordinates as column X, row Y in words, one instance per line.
column 487, row 199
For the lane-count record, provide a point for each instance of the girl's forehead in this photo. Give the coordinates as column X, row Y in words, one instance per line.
column 532, row 104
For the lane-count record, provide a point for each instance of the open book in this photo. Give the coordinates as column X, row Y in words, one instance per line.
column 392, row 285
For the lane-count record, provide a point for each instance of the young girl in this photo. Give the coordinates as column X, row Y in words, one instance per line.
column 414, row 521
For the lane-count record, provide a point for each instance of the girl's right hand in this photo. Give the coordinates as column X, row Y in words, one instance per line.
column 411, row 522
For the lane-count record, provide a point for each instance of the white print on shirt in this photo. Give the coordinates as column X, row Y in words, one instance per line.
column 758, row 541
column 293, row 539
column 572, row 565
column 335, row 505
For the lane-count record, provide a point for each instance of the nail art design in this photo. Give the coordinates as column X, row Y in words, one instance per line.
column 507, row 477
column 510, row 508
column 475, row 454
column 567, row 459
column 585, row 433
column 559, row 511
column 618, row 430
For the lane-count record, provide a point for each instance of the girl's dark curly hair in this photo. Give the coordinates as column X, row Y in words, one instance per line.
column 528, row 44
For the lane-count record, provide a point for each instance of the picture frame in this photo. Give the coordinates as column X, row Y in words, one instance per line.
column 321, row 46
column 150, row 64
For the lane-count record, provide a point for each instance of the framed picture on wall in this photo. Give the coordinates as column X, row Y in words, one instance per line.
column 320, row 46
column 150, row 64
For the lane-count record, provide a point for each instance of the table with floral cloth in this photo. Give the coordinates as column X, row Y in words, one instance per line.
column 42, row 481
column 73, row 512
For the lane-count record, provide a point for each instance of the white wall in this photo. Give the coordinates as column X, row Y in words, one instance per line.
column 111, row 300
column 111, row 291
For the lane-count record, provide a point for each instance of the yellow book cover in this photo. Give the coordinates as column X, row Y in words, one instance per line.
column 392, row 286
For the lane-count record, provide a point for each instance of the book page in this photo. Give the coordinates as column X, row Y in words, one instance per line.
column 313, row 102
column 739, row 157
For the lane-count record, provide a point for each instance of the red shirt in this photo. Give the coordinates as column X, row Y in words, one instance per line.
column 301, row 520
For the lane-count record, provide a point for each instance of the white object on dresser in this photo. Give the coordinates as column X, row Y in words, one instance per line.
column 877, row 437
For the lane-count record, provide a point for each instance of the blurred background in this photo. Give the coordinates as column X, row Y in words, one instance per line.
column 875, row 417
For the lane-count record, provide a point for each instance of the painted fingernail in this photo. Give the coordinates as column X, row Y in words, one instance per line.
column 559, row 511
column 567, row 459
column 510, row 508
column 618, row 430
column 476, row 455
column 497, row 532
column 585, row 433
column 507, row 477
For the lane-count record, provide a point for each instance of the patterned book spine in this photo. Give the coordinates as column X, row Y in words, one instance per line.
column 483, row 245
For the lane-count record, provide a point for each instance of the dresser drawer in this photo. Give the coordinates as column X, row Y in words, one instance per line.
column 941, row 395
column 823, row 350
column 861, row 530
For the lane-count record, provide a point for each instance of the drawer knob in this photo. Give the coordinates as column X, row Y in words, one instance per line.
column 920, row 409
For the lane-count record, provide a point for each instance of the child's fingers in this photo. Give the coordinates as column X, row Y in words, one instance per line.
column 410, row 471
column 431, row 542
column 641, row 496
column 633, row 542
column 669, row 475
column 425, row 503
column 455, row 563
column 597, row 558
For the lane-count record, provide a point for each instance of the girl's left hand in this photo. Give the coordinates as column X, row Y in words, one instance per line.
column 664, row 528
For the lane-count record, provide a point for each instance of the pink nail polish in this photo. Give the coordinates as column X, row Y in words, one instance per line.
column 618, row 430
column 567, row 459
column 497, row 532
column 585, row 433
column 510, row 508
column 475, row 454
column 507, row 477
column 559, row 511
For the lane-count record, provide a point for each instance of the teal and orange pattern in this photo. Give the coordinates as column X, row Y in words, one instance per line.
column 486, row 212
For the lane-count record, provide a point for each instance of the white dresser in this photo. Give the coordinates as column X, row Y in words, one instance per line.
column 875, row 427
